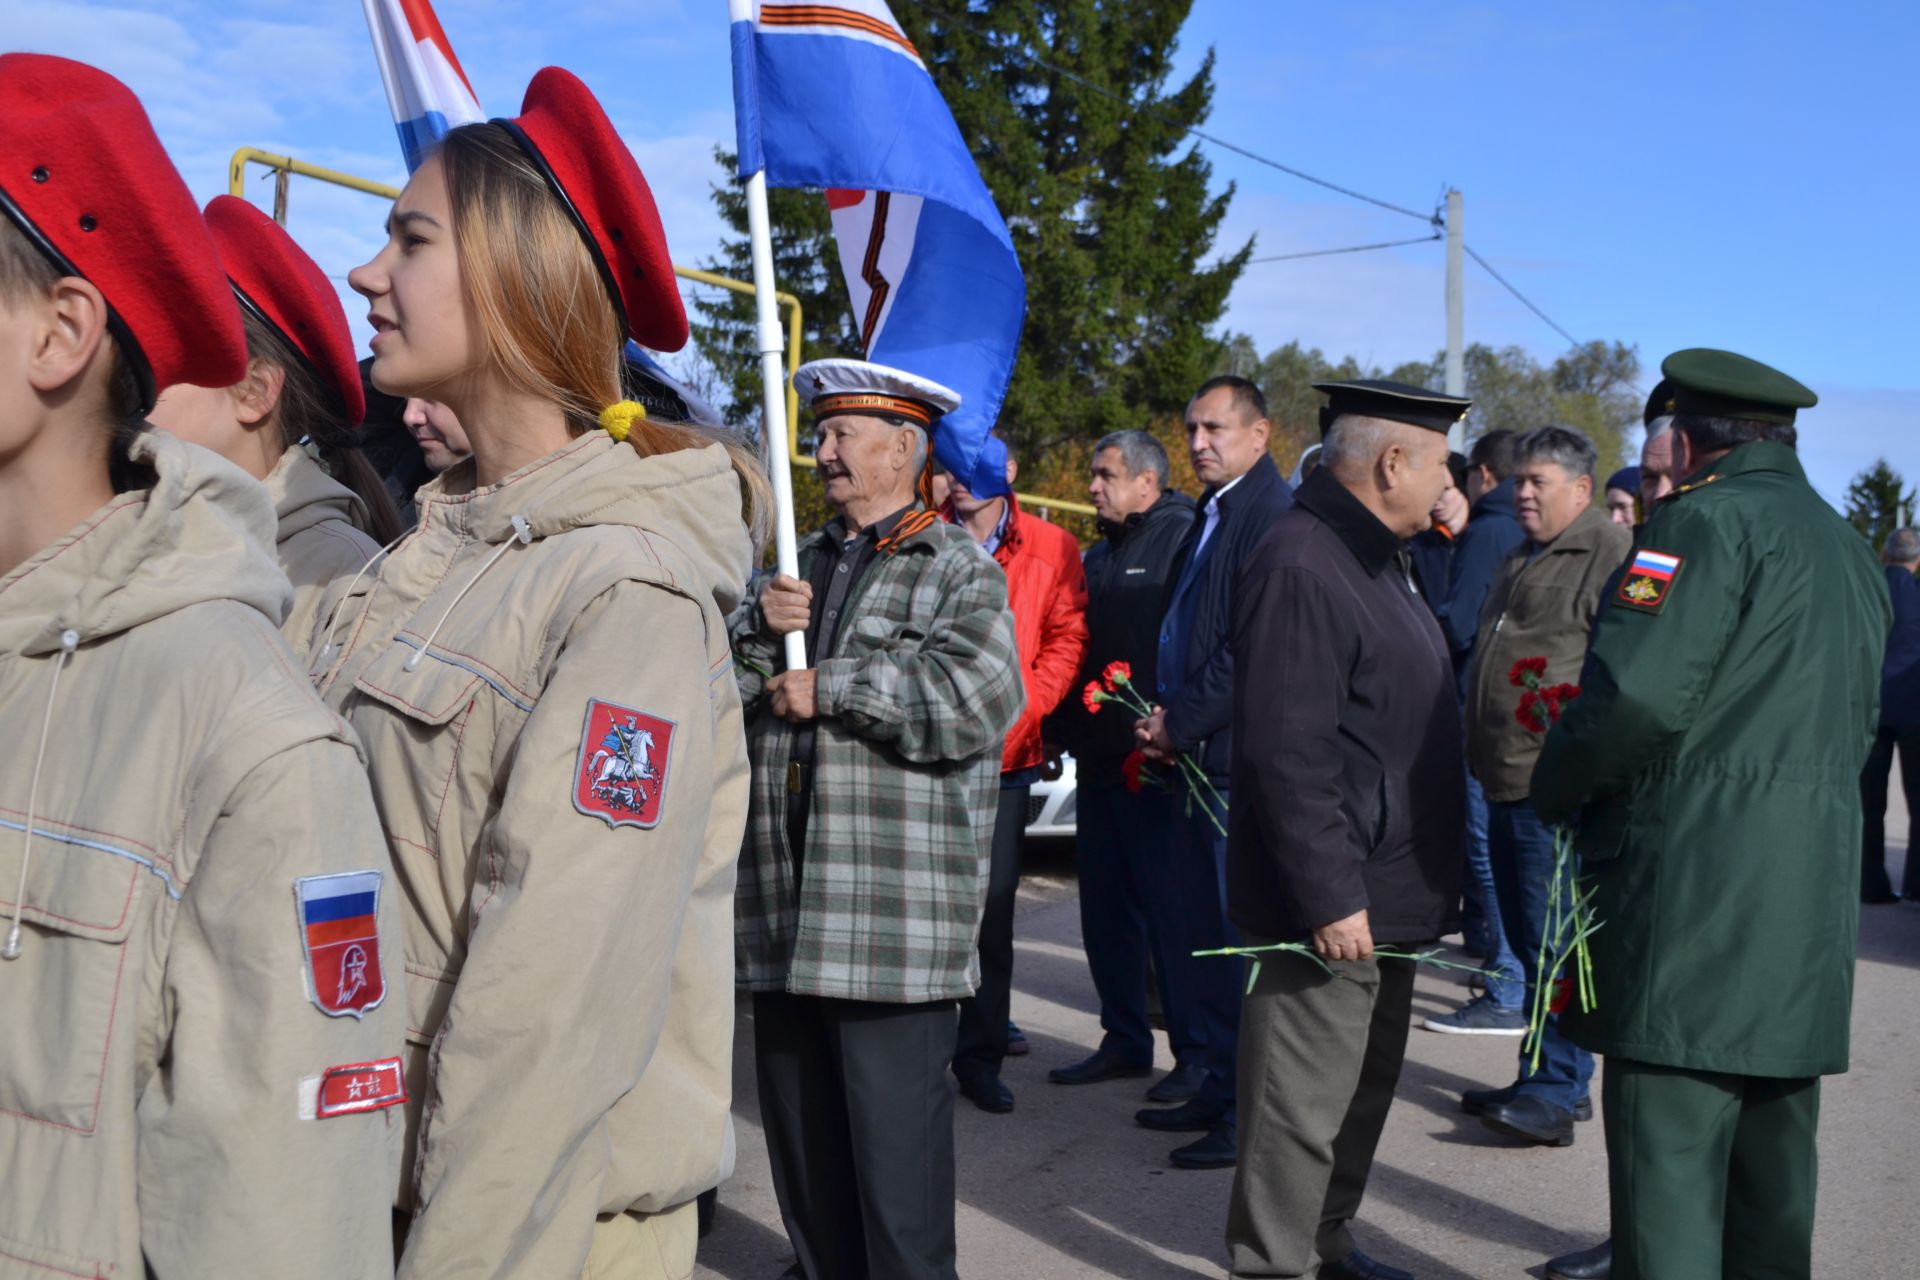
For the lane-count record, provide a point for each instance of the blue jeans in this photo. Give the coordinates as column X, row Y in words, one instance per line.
column 1521, row 850
column 1507, row 990
column 1213, row 983
column 1129, row 910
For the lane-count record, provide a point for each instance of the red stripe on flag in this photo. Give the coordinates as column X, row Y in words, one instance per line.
column 821, row 15
column 328, row 932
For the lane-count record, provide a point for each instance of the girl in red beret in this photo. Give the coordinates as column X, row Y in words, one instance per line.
column 289, row 423
column 200, row 938
column 541, row 678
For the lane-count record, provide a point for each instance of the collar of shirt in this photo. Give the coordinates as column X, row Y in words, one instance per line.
column 999, row 534
column 837, row 527
column 1371, row 542
column 1213, row 499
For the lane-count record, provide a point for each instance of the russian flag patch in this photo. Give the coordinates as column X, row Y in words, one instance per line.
column 341, row 939
column 1648, row 581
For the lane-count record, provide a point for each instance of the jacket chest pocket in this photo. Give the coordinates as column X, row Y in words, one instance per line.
column 427, row 742
column 61, row 997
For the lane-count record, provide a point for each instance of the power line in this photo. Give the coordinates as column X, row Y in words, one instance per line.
column 1528, row 302
column 1358, row 248
column 1433, row 219
column 1256, row 157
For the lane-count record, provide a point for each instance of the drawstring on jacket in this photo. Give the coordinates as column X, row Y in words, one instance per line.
column 333, row 623
column 523, row 536
column 69, row 641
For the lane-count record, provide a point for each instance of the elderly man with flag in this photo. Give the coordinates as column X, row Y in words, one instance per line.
column 875, row 778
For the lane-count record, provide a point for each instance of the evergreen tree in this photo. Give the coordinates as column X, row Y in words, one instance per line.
column 1105, row 195
column 1878, row 502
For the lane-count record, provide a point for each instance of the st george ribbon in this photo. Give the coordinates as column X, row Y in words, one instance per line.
column 835, row 96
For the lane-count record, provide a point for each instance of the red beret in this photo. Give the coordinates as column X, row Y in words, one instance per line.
column 563, row 129
column 283, row 286
column 84, row 177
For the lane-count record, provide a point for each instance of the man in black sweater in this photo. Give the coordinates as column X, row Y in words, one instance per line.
column 1227, row 434
column 1128, row 902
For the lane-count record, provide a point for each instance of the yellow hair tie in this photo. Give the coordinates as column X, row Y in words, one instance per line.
column 618, row 419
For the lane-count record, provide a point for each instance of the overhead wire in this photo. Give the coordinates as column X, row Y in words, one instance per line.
column 1434, row 219
column 1358, row 248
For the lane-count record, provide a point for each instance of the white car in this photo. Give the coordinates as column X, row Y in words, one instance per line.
column 1053, row 807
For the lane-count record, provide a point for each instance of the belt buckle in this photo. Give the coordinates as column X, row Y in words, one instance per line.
column 796, row 777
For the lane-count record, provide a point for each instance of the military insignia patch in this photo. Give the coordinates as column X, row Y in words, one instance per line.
column 620, row 776
column 338, row 932
column 358, row 1086
column 1648, row 580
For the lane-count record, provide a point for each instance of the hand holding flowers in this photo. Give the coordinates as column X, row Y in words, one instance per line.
column 1116, row 685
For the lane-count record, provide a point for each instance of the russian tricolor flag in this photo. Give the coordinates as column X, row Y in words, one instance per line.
column 1655, row 564
column 426, row 88
column 835, row 96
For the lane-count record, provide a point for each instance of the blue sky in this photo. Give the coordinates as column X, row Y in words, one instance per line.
column 1667, row 174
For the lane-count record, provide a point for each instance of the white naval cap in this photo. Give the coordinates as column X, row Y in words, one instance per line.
column 839, row 385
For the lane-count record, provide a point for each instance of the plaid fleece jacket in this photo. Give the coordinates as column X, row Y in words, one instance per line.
column 913, row 709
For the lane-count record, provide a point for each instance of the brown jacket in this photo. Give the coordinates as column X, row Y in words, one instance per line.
column 321, row 538
column 165, row 1033
column 541, row 676
column 1541, row 606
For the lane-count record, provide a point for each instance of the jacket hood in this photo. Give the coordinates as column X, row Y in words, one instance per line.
column 203, row 532
column 690, row 497
column 304, row 495
column 1497, row 501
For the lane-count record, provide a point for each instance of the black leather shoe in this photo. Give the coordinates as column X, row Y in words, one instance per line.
column 1101, row 1066
column 987, row 1092
column 1532, row 1118
column 1178, row 1085
column 1192, row 1116
column 1476, row 1101
column 1358, row 1266
column 1588, row 1264
column 1218, row 1150
column 1878, row 899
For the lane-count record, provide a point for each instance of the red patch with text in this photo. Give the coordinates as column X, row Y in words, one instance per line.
column 361, row 1086
column 620, row 776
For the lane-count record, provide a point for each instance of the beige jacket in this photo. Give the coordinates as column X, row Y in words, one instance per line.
column 163, row 1042
column 322, row 540
column 569, row 887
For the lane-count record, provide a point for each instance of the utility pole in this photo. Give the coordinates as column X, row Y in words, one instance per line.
column 1456, row 327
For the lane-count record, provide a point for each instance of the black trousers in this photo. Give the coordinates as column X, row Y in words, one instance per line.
column 982, row 1043
column 858, row 1114
column 1873, row 803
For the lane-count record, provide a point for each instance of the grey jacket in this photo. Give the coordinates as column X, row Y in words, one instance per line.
column 1540, row 606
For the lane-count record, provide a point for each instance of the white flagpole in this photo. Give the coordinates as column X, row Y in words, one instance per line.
column 773, row 376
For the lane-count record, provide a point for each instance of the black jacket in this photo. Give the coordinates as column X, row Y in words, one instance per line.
column 1348, row 787
column 1492, row 534
column 1900, row 673
column 1200, row 712
column 1127, row 573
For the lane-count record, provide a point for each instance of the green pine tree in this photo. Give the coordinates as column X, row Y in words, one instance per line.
column 1107, row 201
column 1878, row 502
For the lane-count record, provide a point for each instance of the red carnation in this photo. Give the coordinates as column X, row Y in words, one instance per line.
column 1117, row 674
column 1562, row 995
column 1526, row 713
column 1130, row 770
column 1535, row 667
column 1093, row 695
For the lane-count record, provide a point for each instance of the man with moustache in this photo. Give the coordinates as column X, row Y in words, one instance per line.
column 1347, row 824
column 1227, row 433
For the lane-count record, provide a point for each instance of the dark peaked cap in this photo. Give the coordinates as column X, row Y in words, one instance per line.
column 1721, row 384
column 1394, row 401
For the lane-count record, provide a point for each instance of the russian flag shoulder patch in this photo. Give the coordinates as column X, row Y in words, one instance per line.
column 1648, row 580
column 338, row 918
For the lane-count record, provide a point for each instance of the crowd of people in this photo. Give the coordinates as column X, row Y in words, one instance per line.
column 506, row 714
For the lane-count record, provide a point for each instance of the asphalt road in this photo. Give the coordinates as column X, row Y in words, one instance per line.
column 1067, row 1186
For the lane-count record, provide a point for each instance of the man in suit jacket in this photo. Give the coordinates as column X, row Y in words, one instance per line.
column 1227, row 434
column 1899, row 724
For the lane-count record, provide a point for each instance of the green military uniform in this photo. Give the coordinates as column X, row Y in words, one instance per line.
column 1714, row 760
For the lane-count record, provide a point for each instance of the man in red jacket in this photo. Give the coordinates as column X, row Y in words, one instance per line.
column 1047, row 591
